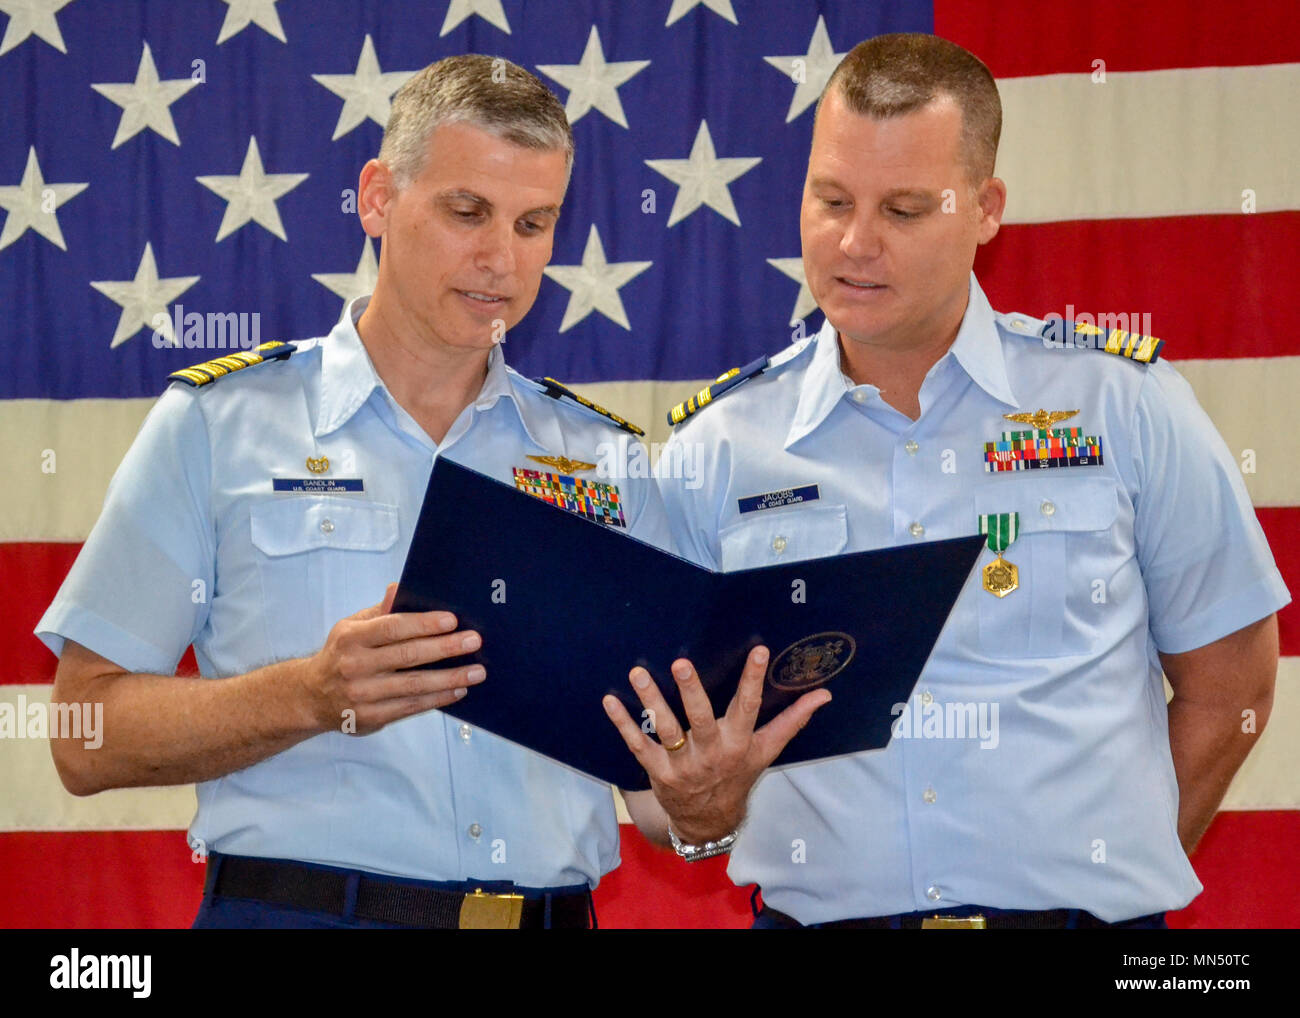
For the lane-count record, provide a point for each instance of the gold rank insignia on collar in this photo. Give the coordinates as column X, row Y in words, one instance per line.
column 563, row 464
column 1042, row 418
column 210, row 371
column 555, row 390
column 723, row 383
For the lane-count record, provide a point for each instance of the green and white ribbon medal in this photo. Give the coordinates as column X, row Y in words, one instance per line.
column 1000, row 576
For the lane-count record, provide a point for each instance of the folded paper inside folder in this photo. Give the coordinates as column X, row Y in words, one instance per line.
column 567, row 607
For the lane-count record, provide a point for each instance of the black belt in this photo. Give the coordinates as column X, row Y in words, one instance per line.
column 1047, row 919
column 279, row 882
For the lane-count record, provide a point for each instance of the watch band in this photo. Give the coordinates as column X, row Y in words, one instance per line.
column 694, row 853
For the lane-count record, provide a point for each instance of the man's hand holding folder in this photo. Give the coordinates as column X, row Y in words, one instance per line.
column 702, row 780
column 372, row 666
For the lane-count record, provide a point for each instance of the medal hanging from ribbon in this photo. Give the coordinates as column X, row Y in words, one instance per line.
column 1000, row 576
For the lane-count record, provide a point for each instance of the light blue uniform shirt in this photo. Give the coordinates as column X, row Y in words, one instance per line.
column 193, row 547
column 1073, row 801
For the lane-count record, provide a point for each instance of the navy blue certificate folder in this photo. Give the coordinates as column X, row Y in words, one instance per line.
column 566, row 607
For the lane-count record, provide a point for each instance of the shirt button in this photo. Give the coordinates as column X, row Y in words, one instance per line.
column 927, row 698
column 778, row 544
column 911, row 446
column 475, row 831
column 465, row 732
column 933, row 893
column 859, row 396
column 326, row 526
column 929, row 796
column 1047, row 509
column 915, row 529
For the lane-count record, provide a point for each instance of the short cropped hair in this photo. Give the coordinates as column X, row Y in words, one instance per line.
column 894, row 74
column 489, row 92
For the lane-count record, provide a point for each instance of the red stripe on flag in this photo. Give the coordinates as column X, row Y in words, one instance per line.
column 33, row 573
column 1247, row 862
column 98, row 880
column 1282, row 528
column 1209, row 283
column 653, row 889
column 147, row 880
column 1022, row 37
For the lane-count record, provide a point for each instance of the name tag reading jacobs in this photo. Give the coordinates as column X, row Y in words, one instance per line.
column 318, row 485
column 777, row 499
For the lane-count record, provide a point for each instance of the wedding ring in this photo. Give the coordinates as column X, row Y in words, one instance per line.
column 676, row 745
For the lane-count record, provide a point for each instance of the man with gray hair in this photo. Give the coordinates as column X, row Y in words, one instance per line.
column 269, row 498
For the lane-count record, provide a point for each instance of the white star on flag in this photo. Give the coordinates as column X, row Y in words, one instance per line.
column 365, row 93
column 32, row 17
column 594, row 285
column 143, row 299
column 489, row 10
column 813, row 69
column 804, row 304
column 32, row 204
column 252, row 194
column 702, row 179
column 593, row 83
column 145, row 103
column 241, row 13
column 681, row 8
column 353, row 284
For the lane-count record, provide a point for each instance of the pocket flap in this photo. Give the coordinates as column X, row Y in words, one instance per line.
column 1053, row 503
column 784, row 536
column 292, row 525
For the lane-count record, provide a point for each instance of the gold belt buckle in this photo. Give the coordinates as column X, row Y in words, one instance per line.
column 952, row 922
column 479, row 911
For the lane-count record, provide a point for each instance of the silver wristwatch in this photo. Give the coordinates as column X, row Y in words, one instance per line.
column 694, row 853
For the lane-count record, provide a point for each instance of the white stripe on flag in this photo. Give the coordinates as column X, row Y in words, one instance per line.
column 1149, row 143
column 34, row 798
column 1250, row 400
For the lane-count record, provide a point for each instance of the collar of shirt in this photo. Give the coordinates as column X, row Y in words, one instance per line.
column 348, row 379
column 977, row 350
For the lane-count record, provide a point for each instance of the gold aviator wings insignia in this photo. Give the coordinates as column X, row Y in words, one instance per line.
column 1042, row 418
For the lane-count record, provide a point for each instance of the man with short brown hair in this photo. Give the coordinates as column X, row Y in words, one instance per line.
column 1036, row 777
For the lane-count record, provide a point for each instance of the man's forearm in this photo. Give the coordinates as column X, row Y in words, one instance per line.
column 648, row 815
column 1208, row 746
column 1223, row 693
column 172, row 730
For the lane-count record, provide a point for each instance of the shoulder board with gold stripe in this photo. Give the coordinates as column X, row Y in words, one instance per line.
column 1133, row 345
column 210, row 371
column 555, row 390
column 725, row 381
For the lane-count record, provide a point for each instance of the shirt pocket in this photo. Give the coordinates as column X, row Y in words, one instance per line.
column 1061, row 549
column 774, row 537
column 320, row 560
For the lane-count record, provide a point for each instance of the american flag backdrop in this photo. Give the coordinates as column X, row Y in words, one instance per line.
column 202, row 153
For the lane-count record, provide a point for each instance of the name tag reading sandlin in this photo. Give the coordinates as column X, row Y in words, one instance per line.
column 318, row 485
column 777, row 499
